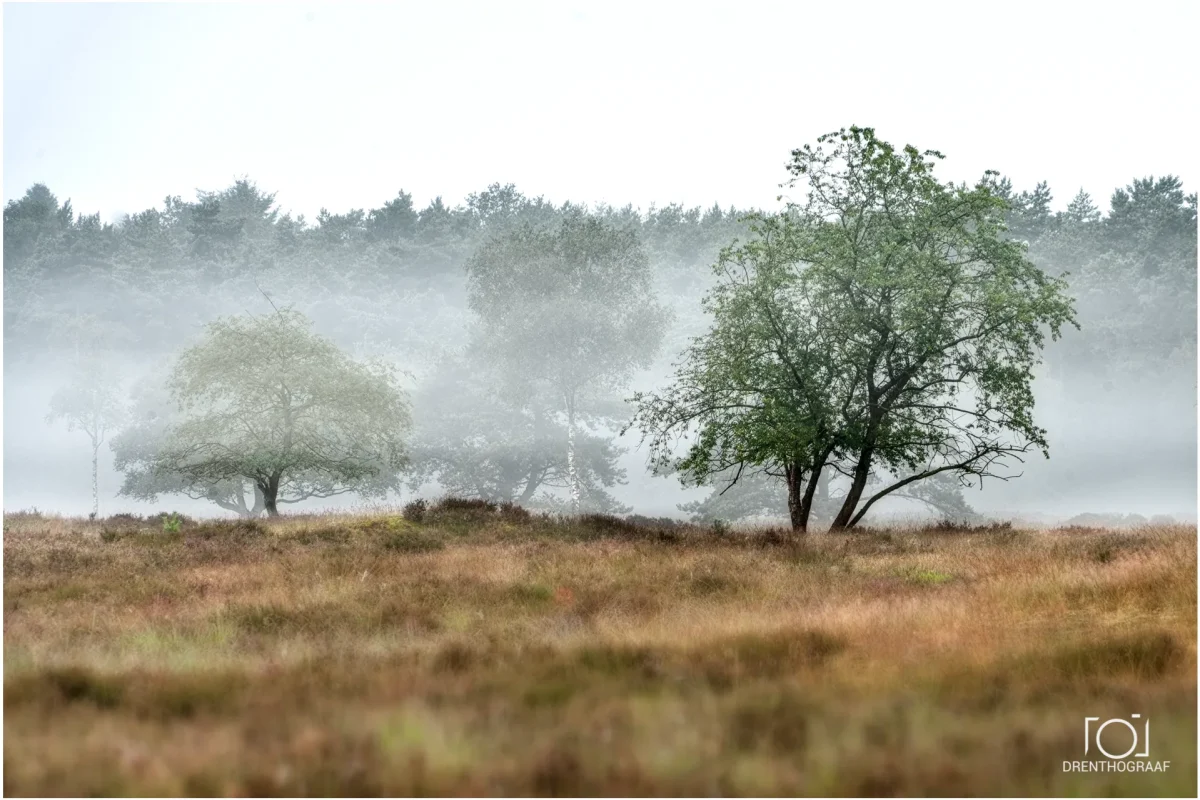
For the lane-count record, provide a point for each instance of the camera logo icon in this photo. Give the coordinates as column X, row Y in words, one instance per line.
column 1092, row 736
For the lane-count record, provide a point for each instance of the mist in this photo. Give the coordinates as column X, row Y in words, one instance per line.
column 599, row 399
column 367, row 226
column 1120, row 414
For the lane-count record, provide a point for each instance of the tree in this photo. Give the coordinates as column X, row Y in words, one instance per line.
column 567, row 310
column 760, row 389
column 36, row 216
column 266, row 400
column 885, row 324
column 1081, row 210
column 759, row 494
column 942, row 494
column 1029, row 213
column 136, row 448
column 397, row 219
column 1158, row 220
column 478, row 442
column 754, row 495
column 1133, row 275
column 941, row 317
column 55, row 267
column 90, row 403
column 222, row 222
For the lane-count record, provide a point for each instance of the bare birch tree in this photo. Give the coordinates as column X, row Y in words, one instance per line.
column 91, row 403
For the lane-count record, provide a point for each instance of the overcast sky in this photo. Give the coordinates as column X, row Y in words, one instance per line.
column 117, row 106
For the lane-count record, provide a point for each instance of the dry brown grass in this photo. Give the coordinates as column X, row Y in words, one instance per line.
column 482, row 651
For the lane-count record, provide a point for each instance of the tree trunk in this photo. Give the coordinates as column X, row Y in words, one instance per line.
column 95, row 479
column 800, row 503
column 259, row 502
column 572, row 472
column 820, row 504
column 796, row 510
column 239, row 504
column 270, row 494
column 532, row 482
column 862, row 471
column 806, row 503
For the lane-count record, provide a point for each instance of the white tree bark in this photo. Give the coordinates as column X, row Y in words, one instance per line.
column 95, row 478
column 572, row 472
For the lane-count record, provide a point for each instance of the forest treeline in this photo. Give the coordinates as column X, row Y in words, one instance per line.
column 147, row 282
column 396, row 282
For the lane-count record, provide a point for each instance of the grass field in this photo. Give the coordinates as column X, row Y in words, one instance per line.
column 483, row 651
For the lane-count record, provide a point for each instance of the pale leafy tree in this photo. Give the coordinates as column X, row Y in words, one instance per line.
column 267, row 401
column 90, row 403
column 567, row 310
column 477, row 442
column 885, row 324
column 137, row 446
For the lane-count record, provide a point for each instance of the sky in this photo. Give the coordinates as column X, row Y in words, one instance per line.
column 118, row 106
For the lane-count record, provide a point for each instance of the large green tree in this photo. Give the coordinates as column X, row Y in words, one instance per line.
column 883, row 323
column 763, row 389
column 267, row 401
column 567, row 310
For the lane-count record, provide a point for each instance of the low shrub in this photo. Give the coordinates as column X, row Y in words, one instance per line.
column 415, row 511
column 511, row 512
column 161, row 520
column 609, row 524
column 464, row 504
column 966, row 526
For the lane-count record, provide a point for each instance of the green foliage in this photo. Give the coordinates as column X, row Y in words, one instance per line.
column 566, row 312
column 172, row 523
column 365, row 275
column 930, row 577
column 414, row 511
column 389, row 281
column 1133, row 275
column 476, row 442
column 885, row 321
column 570, row 306
column 136, row 448
column 264, row 399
